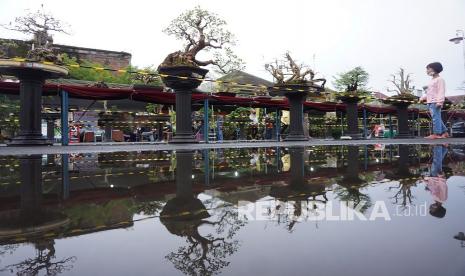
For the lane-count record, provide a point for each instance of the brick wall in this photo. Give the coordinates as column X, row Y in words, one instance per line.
column 112, row 59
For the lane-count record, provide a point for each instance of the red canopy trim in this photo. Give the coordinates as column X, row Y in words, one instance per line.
column 95, row 93
column 228, row 100
column 158, row 96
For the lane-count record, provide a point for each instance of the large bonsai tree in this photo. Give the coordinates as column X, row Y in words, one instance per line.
column 355, row 80
column 39, row 24
column 402, row 83
column 289, row 71
column 203, row 31
column 45, row 262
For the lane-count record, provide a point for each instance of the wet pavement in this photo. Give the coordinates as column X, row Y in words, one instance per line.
column 145, row 146
column 371, row 209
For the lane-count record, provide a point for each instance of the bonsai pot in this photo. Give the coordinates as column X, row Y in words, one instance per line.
column 292, row 88
column 183, row 79
column 146, row 87
column 401, row 103
column 347, row 97
column 32, row 76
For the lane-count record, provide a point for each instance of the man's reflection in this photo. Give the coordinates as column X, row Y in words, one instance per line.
column 185, row 214
column 436, row 182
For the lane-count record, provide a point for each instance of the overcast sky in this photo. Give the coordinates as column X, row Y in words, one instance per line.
column 379, row 35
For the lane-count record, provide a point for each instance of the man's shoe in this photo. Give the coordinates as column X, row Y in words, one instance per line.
column 445, row 135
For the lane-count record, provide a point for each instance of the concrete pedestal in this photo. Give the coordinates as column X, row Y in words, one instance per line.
column 183, row 79
column 296, row 127
column 32, row 76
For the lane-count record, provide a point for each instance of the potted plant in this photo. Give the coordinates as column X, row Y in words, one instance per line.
column 295, row 82
column 183, row 72
column 404, row 98
column 146, row 79
column 353, row 83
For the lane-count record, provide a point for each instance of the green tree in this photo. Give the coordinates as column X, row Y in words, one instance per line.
column 355, row 80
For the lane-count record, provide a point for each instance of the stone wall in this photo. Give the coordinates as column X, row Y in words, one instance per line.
column 112, row 59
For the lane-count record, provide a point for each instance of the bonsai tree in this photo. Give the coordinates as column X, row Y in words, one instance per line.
column 45, row 261
column 202, row 31
column 403, row 84
column 39, row 24
column 147, row 76
column 289, row 72
column 205, row 254
column 403, row 197
column 354, row 81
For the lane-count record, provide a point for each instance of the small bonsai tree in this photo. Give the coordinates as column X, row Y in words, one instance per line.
column 402, row 83
column 202, row 31
column 354, row 81
column 289, row 72
column 147, row 76
column 39, row 24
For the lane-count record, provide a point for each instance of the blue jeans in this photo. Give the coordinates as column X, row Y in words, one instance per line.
column 438, row 125
column 439, row 151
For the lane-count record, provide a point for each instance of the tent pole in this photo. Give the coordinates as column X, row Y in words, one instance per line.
column 364, row 123
column 205, row 121
column 64, row 118
column 278, row 124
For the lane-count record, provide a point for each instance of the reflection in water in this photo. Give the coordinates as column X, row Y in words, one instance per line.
column 461, row 237
column 185, row 214
column 44, row 261
column 32, row 220
column 406, row 179
column 194, row 195
column 351, row 183
column 436, row 182
column 298, row 192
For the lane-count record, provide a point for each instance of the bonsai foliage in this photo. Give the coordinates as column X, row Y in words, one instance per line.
column 202, row 31
column 39, row 24
column 288, row 71
column 44, row 262
column 147, row 75
column 402, row 83
column 206, row 254
column 353, row 81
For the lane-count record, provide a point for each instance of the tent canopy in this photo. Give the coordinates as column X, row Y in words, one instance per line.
column 158, row 96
